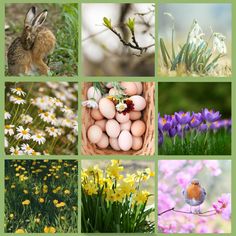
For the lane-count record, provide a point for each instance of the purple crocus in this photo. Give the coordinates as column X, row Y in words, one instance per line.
column 183, row 117
column 210, row 115
column 160, row 137
column 164, row 123
column 196, row 120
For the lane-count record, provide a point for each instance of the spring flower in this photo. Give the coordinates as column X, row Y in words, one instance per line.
column 219, row 43
column 141, row 197
column 121, row 106
column 67, row 110
column 67, row 192
column 71, row 138
column 91, row 103
column 91, row 188
column 164, row 123
column 26, row 149
column 160, row 137
column 114, row 170
column 26, row 119
column 17, row 100
column 9, row 129
column 183, row 118
column 23, row 133
column 52, row 131
column 196, row 120
column 16, row 151
column 7, row 115
column 20, row 231
column 38, row 138
column 49, row 230
column 41, row 200
column 210, row 115
column 18, row 91
column 223, row 206
column 196, row 33
column 60, row 204
column 26, row 202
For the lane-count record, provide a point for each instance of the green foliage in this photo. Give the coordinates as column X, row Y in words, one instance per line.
column 65, row 55
column 217, row 144
column 100, row 215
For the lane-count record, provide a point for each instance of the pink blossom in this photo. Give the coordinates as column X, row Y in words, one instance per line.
column 223, row 206
column 183, row 179
column 213, row 166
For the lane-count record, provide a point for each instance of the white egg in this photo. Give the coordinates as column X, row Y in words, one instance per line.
column 120, row 117
column 94, row 134
column 139, row 102
column 135, row 115
column 139, row 87
column 114, row 144
column 125, row 140
column 130, row 88
column 107, row 108
column 94, row 93
column 138, row 128
column 96, row 114
column 137, row 143
column 126, row 125
column 113, row 128
column 104, row 142
column 101, row 124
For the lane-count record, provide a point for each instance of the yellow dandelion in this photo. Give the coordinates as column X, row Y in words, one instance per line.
column 26, row 202
column 20, row 231
column 49, row 229
column 41, row 200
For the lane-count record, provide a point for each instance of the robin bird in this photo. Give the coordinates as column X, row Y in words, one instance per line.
column 194, row 194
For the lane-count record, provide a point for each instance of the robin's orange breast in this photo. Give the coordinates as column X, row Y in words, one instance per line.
column 194, row 192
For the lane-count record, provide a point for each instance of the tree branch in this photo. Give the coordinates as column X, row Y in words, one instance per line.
column 205, row 213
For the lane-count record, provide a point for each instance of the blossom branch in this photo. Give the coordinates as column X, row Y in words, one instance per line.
column 205, row 213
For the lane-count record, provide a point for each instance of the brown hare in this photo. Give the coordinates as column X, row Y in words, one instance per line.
column 27, row 53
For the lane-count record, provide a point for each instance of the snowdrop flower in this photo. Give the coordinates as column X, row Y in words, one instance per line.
column 196, row 29
column 7, row 115
column 219, row 43
column 16, row 151
column 23, row 133
column 197, row 40
column 18, row 91
column 9, row 129
column 91, row 103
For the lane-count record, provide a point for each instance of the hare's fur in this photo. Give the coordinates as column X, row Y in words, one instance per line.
column 26, row 55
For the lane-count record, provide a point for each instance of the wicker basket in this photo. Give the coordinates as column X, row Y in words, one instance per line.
column 147, row 116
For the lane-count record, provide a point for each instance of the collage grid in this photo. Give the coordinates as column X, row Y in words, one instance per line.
column 80, row 78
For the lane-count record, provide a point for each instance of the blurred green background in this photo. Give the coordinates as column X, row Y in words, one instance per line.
column 173, row 97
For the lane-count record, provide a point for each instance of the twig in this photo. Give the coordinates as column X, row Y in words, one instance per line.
column 188, row 212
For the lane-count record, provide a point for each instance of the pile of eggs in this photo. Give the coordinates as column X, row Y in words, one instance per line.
column 112, row 128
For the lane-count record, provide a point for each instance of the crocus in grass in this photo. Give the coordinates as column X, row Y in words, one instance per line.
column 223, row 206
column 210, row 115
column 160, row 137
column 196, row 120
column 183, row 117
column 164, row 123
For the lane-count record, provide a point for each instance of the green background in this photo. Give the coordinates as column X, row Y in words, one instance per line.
column 79, row 79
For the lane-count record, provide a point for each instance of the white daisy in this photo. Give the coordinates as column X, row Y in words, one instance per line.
column 34, row 153
column 7, row 115
column 90, row 104
column 26, row 149
column 16, row 151
column 54, row 132
column 121, row 106
column 26, row 119
column 67, row 110
column 18, row 91
column 71, row 138
column 17, row 100
column 23, row 133
column 38, row 138
column 9, row 129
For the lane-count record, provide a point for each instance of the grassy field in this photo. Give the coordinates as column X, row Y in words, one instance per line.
column 216, row 144
column 41, row 196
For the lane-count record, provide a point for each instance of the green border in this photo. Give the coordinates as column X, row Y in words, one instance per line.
column 82, row 78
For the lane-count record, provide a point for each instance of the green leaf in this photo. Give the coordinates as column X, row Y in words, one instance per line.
column 107, row 22
column 130, row 24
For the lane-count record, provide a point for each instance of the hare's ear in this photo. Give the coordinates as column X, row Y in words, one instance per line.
column 29, row 17
column 40, row 18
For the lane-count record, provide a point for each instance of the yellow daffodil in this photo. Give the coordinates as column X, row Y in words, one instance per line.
column 26, row 202
column 49, row 229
